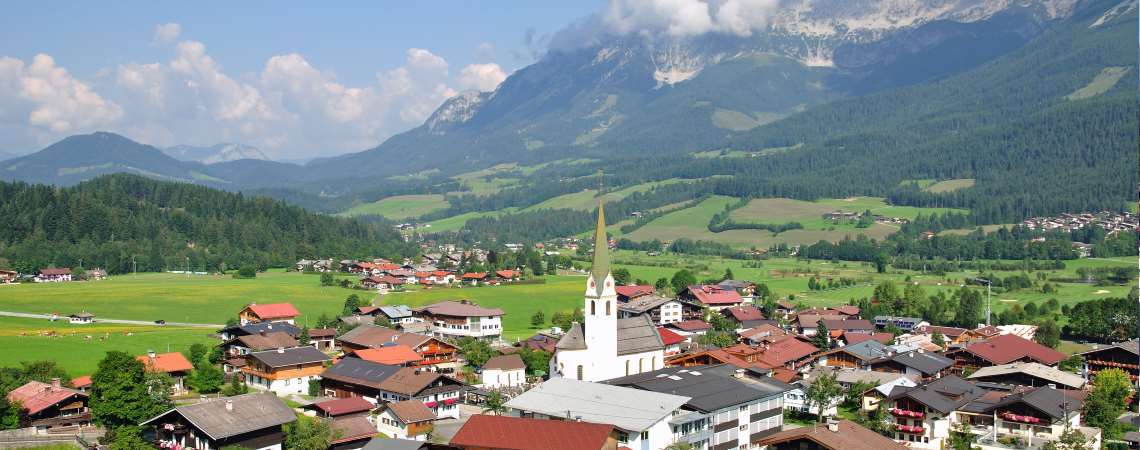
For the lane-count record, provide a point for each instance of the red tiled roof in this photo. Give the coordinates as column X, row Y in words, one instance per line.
column 855, row 338
column 507, row 273
column 441, row 273
column 633, row 291
column 745, row 313
column 669, row 337
column 1008, row 348
column 342, row 406
column 166, row 363
column 766, row 330
column 786, row 350
column 516, row 433
column 691, row 325
column 37, row 396
column 784, row 374
column 850, row 310
column 274, row 310
column 713, row 295
column 81, row 382
column 474, row 275
column 391, row 354
column 367, row 309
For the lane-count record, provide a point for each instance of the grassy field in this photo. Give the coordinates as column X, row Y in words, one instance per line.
column 950, row 185
column 454, row 223
column 24, row 340
column 587, row 200
column 399, row 207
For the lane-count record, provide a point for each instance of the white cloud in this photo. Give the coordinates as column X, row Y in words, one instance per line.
column 681, row 18
column 49, row 100
column 483, row 77
column 485, row 52
column 166, row 33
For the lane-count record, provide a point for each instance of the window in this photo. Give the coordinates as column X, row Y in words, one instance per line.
column 593, row 308
column 607, row 307
column 627, row 367
column 579, row 372
column 640, row 363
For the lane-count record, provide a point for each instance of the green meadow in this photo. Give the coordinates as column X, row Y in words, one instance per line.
column 399, row 207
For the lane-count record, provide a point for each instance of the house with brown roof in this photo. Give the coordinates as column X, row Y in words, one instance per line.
column 790, row 352
column 746, row 316
column 8, row 276
column 1003, row 349
column 834, row 435
column 351, row 432
column 661, row 310
column 244, row 345
column 459, row 319
column 433, row 351
column 713, row 297
column 380, row 383
column 408, row 419
column 45, row 406
column 253, row 421
column 633, row 291
column 541, row 341
column 341, row 407
column 173, row 364
column 1122, row 355
column 690, row 328
column 504, row 371
column 764, row 333
column 53, row 275
column 284, row 370
column 273, row 312
column 483, row 432
column 323, row 339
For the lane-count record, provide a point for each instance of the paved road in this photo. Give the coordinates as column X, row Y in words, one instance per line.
column 120, row 321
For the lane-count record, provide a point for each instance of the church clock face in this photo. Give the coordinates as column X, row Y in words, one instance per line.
column 591, row 283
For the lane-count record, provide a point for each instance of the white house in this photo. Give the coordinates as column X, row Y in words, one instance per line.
column 286, row 370
column 408, row 419
column 81, row 318
column 608, row 347
column 459, row 319
column 504, row 371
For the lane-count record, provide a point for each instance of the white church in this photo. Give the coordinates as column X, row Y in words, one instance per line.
column 606, row 347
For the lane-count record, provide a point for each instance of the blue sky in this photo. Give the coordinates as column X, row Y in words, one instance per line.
column 288, row 77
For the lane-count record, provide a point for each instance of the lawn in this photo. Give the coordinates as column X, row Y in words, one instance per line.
column 23, row 340
column 950, row 185
column 454, row 223
column 399, row 207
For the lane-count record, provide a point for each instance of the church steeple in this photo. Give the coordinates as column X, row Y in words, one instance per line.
column 601, row 266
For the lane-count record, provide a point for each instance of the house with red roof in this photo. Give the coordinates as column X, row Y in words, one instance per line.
column 764, row 333
column 173, row 364
column 53, row 275
column 508, row 275
column 713, row 297
column 1003, row 349
column 672, row 341
column 342, row 407
column 271, row 312
column 789, row 352
column 48, row 406
column 482, row 432
column 688, row 328
column 381, row 282
column 475, row 278
column 395, row 355
column 630, row 292
column 82, row 383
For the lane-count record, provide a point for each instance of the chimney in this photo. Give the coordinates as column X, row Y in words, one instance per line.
column 280, row 349
column 832, row 425
column 229, row 405
column 150, row 354
column 55, row 384
column 577, row 418
column 738, row 373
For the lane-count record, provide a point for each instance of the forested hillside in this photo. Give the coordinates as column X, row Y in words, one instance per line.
column 110, row 220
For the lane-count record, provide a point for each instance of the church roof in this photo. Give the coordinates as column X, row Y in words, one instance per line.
column 574, row 339
column 601, row 267
column 637, row 335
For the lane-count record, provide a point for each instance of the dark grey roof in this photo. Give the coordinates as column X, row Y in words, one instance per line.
column 710, row 387
column 867, row 350
column 636, row 335
column 268, row 327
column 1047, row 400
column 359, row 371
column 944, row 395
column 290, row 356
column 1132, row 346
column 643, row 304
column 574, row 339
column 382, row 443
column 925, row 362
column 250, row 412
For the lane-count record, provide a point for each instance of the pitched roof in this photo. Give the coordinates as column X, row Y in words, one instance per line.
column 35, row 396
column 714, row 295
column 255, row 328
column 950, row 332
column 573, row 339
column 541, row 342
column 850, row 310
column 411, row 381
column 1053, row 402
column 166, row 362
column 459, row 309
column 382, row 443
column 290, row 356
column 322, row 333
column 630, row 409
column 944, row 395
column 691, row 325
column 1007, row 348
column 342, row 406
column 507, row 273
column 850, row 436
column 925, row 362
column 644, row 303
column 389, row 354
column 367, row 335
column 249, row 412
column 636, row 335
column 812, row 320
column 352, row 428
column 710, row 387
column 763, row 331
column 276, row 339
column 600, row 268
column 516, row 433
column 744, row 313
column 396, row 312
column 273, row 310
column 848, row 324
column 81, row 382
column 866, row 350
column 1132, row 347
column 55, row 271
column 505, row 362
column 360, row 372
column 411, row 411
column 1047, row 373
column 786, row 350
column 668, row 337
column 474, row 275
column 636, row 290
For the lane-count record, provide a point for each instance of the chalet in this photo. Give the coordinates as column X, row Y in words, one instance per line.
column 856, row 337
column 633, row 291
column 915, row 364
column 351, row 432
column 246, row 344
column 48, row 407
column 504, row 371
column 433, row 351
column 228, row 333
column 323, row 339
column 381, row 282
column 1003, row 349
column 744, row 288
column 53, row 275
column 689, row 328
column 507, row 276
column 746, row 316
column 807, row 323
column 903, row 323
column 8, row 276
column 395, row 355
column 661, row 310
column 81, row 318
column 501, row 433
column 173, row 364
column 284, row 370
column 789, row 352
column 672, row 341
column 273, row 312
column 399, row 314
column 252, row 421
column 761, row 334
column 408, row 419
column 835, row 435
column 785, row 308
column 459, row 319
column 858, row 356
column 379, row 383
column 951, row 335
column 713, row 297
column 442, row 277
column 1123, row 355
column 1028, row 374
column 475, row 278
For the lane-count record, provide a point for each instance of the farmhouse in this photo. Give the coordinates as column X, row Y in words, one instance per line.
column 341, row 407
column 50, row 406
column 173, row 364
column 835, row 435
column 746, row 316
column 713, row 297
column 274, row 312
column 661, row 310
column 917, row 364
column 81, row 318
column 1003, row 349
column 396, row 355
column 244, row 345
column 1121, row 356
column 257, row 328
column 378, row 383
column 53, row 275
column 8, row 276
column 408, row 419
column 284, row 370
column 432, row 351
column 252, row 421
column 459, row 319
column 1028, row 374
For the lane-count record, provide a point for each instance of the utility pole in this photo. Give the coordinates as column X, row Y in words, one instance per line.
column 134, row 266
column 989, row 292
column 187, row 267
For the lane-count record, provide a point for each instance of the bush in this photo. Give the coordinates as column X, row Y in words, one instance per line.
column 246, row 272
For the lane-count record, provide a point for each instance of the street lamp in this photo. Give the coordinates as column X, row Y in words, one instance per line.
column 989, row 284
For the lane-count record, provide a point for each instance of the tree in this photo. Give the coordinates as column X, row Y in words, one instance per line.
column 120, row 392
column 824, row 393
column 128, row 438
column 327, row 279
column 661, row 284
column 495, row 404
column 308, row 433
column 822, row 338
column 314, row 388
column 936, row 338
column 1072, row 364
column 246, row 272
column 969, row 312
column 206, row 378
column 961, row 438
column 1048, row 334
column 880, row 261
column 235, row 387
column 537, row 361
column 679, row 445
column 537, row 319
column 350, row 305
column 304, row 338
column 887, row 294
column 719, row 321
column 196, row 353
column 854, row 395
column 475, row 351
column 681, row 281
column 621, row 276
column 232, row 322
column 9, row 414
column 1108, row 400
column 728, row 274
column 718, row 338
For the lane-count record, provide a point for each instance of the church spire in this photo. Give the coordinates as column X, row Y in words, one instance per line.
column 601, row 266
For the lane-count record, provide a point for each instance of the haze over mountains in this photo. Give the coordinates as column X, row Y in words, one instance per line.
column 822, row 91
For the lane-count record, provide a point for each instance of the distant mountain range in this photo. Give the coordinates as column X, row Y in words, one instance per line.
column 215, row 153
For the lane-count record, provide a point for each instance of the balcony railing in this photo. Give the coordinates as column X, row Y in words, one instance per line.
column 906, row 413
